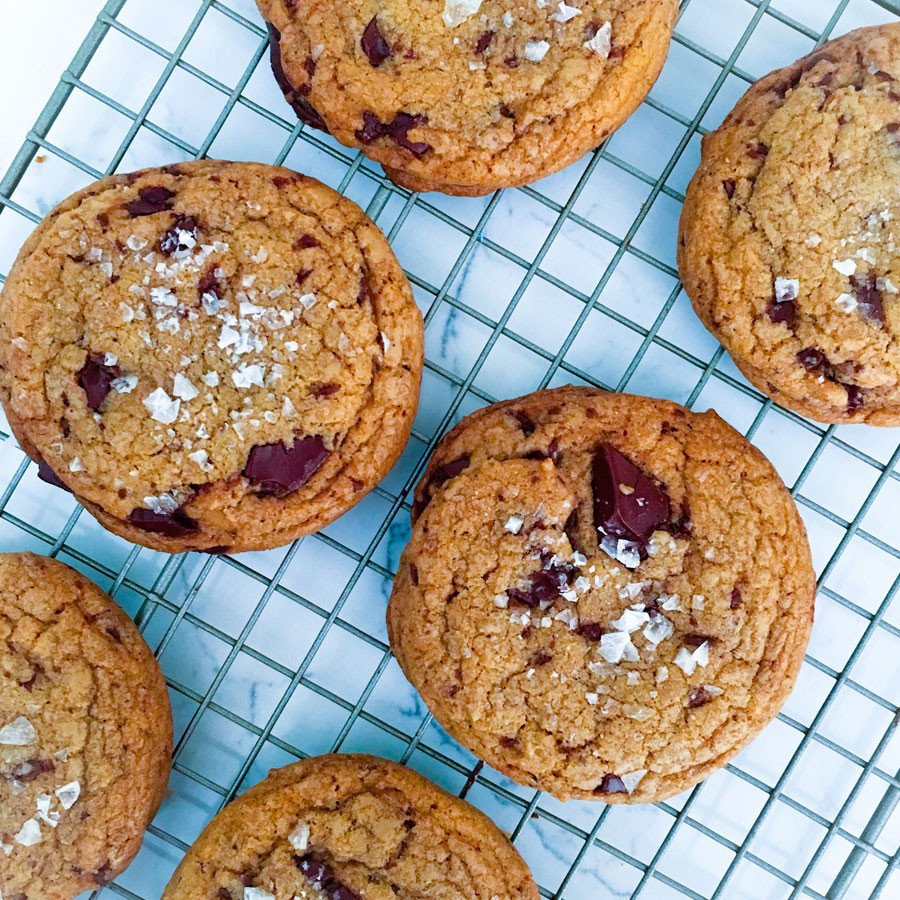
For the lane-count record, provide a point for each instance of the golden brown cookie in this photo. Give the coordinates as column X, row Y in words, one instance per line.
column 468, row 96
column 85, row 732
column 789, row 236
column 210, row 356
column 604, row 596
column 350, row 827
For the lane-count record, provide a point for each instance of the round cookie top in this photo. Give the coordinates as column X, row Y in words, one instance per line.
column 350, row 827
column 604, row 596
column 211, row 355
column 85, row 732
column 789, row 236
column 467, row 96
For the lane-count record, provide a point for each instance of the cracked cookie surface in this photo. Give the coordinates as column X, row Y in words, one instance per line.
column 211, row 356
column 789, row 234
column 85, row 732
column 604, row 596
column 350, row 827
column 465, row 96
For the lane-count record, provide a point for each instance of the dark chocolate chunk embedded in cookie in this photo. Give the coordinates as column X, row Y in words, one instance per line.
column 612, row 620
column 188, row 387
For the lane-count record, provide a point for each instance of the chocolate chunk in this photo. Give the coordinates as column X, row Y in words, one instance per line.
column 209, row 284
column 593, row 631
column 484, row 42
column 509, row 741
column 325, row 389
column 324, row 880
column 782, row 313
column 29, row 769
column 103, row 875
column 305, row 111
column 372, row 128
column 869, row 298
column 279, row 470
column 736, row 599
column 757, row 151
column 305, row 241
column 699, row 696
column 374, row 45
column 525, row 421
column 171, row 241
column 450, row 470
column 152, row 200
column 30, row 683
column 855, row 397
column 398, row 129
column 813, row 361
column 696, row 640
column 46, row 474
column 302, row 275
column 441, row 474
column 611, row 784
column 627, row 504
column 543, row 586
column 174, row 524
column 414, row 573
column 539, row 658
column 96, row 378
column 730, row 187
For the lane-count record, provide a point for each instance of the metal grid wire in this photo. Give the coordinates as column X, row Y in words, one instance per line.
column 162, row 592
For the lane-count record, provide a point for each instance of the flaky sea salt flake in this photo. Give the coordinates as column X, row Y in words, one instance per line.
column 125, row 384
column 535, row 51
column 68, row 794
column 632, row 779
column 162, row 407
column 184, row 389
column 29, row 834
column 18, row 733
column 299, row 837
column 514, row 524
column 565, row 13
column 601, row 42
column 457, row 11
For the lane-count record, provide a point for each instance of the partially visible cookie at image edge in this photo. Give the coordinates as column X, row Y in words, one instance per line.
column 211, row 356
column 347, row 827
column 604, row 596
column 85, row 732
column 789, row 235
column 466, row 96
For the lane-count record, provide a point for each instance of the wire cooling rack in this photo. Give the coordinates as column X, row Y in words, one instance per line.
column 273, row 656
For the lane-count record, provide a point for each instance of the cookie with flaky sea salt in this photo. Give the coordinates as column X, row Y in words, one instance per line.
column 467, row 96
column 604, row 596
column 211, row 356
column 350, row 827
column 85, row 732
column 790, row 242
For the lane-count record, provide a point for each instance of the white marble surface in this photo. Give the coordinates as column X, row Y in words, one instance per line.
column 220, row 636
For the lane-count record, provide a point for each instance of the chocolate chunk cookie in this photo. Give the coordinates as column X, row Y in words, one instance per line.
column 604, row 596
column 85, row 733
column 468, row 96
column 789, row 235
column 211, row 356
column 350, row 828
